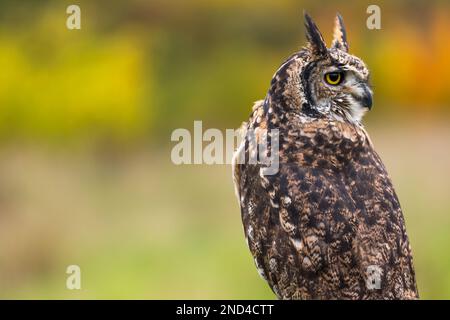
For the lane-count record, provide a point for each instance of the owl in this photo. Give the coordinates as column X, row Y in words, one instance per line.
column 327, row 224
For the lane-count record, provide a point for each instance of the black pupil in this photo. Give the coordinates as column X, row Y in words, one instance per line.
column 334, row 76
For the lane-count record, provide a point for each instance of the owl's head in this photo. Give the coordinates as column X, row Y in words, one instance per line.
column 323, row 82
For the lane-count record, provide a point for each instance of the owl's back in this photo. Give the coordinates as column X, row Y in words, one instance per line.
column 328, row 225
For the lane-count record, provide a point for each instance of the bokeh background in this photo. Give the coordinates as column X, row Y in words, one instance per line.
column 85, row 123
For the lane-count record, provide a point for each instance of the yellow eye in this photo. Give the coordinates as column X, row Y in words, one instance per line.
column 334, row 78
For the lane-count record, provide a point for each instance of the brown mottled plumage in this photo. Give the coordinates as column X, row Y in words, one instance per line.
column 330, row 214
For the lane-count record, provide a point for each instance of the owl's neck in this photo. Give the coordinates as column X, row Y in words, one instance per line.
column 323, row 143
column 310, row 137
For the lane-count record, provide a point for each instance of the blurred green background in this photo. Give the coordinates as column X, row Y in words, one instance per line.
column 85, row 123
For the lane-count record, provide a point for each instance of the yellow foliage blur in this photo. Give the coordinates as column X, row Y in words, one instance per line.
column 140, row 69
column 57, row 84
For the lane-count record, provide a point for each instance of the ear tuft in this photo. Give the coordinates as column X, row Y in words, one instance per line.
column 315, row 39
column 339, row 34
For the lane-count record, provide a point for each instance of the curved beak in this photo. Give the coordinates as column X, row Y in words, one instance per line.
column 366, row 97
